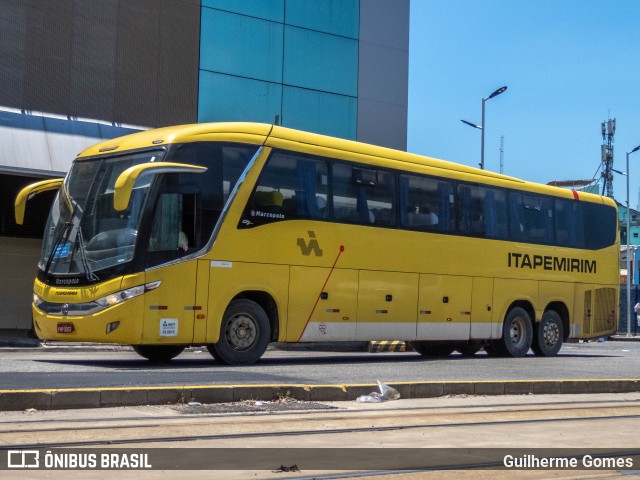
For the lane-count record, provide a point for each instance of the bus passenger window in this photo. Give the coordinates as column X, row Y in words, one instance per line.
column 290, row 187
column 531, row 218
column 426, row 203
column 483, row 211
column 363, row 196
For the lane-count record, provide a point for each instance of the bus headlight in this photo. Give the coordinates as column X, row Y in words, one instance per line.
column 37, row 300
column 121, row 296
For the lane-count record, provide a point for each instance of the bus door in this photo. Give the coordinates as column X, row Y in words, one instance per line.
column 322, row 314
column 387, row 304
column 444, row 307
column 171, row 304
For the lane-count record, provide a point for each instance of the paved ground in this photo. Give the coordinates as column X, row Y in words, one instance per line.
column 467, row 432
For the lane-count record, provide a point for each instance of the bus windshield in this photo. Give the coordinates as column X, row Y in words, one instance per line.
column 87, row 240
column 84, row 233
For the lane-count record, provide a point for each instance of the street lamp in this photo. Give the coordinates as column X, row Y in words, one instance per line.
column 472, row 124
column 481, row 127
column 494, row 94
column 629, row 248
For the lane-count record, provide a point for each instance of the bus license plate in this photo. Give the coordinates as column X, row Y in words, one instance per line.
column 65, row 328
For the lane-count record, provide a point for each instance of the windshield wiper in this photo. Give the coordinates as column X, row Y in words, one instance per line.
column 83, row 257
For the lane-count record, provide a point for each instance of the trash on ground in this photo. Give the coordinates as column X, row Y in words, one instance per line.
column 386, row 393
column 194, row 404
column 284, row 468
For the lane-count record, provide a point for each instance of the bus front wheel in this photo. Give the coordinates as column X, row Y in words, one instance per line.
column 244, row 334
column 548, row 335
column 158, row 353
column 517, row 333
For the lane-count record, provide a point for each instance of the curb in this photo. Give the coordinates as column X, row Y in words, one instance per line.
column 58, row 399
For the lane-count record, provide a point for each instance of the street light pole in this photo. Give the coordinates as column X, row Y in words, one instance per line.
column 629, row 248
column 494, row 94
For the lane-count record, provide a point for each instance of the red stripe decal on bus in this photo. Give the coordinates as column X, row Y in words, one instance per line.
column 575, row 195
column 321, row 290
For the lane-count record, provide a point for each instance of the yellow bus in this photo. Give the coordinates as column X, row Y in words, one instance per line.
column 235, row 235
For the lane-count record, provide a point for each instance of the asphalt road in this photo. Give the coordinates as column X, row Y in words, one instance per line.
column 44, row 368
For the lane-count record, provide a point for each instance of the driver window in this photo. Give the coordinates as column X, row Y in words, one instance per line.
column 165, row 231
column 172, row 230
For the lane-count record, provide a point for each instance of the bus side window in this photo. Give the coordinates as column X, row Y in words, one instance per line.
column 290, row 187
column 381, row 200
column 426, row 203
column 531, row 218
column 174, row 229
column 345, row 194
column 482, row 211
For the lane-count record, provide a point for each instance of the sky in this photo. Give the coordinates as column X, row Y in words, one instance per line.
column 569, row 65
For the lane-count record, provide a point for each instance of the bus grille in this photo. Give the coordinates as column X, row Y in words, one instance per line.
column 605, row 310
column 587, row 312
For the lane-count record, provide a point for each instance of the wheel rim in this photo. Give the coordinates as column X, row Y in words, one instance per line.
column 517, row 332
column 241, row 331
column 550, row 334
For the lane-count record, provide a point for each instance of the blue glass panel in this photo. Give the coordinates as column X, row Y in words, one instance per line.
column 320, row 61
column 340, row 17
column 225, row 98
column 239, row 45
column 319, row 112
column 267, row 9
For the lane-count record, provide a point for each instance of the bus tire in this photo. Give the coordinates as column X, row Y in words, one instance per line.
column 244, row 334
column 517, row 333
column 548, row 335
column 433, row 350
column 158, row 353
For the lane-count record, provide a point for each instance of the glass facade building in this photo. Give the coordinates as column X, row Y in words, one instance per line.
column 291, row 59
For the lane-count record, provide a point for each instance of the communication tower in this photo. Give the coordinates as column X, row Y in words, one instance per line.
column 606, row 150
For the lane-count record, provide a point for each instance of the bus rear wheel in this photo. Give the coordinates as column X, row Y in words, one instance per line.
column 548, row 335
column 244, row 334
column 158, row 353
column 517, row 334
column 433, row 349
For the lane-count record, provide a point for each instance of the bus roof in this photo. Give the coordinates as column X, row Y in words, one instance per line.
column 277, row 136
